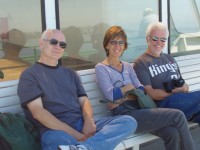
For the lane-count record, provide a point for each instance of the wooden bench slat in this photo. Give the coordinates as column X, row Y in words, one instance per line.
column 189, row 69
column 88, row 79
column 8, row 91
column 8, row 83
column 187, row 57
column 188, row 62
column 91, row 86
column 13, row 109
column 9, row 101
column 193, row 81
column 189, row 75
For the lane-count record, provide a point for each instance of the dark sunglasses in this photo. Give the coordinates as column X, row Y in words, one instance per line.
column 113, row 42
column 162, row 39
column 55, row 42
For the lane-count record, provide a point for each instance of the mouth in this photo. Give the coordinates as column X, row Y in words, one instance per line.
column 158, row 46
column 117, row 51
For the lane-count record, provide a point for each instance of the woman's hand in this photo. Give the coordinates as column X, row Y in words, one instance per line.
column 127, row 88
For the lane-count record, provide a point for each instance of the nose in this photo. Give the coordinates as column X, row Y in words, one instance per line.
column 57, row 45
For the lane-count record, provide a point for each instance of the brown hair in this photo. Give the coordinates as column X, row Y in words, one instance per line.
column 112, row 33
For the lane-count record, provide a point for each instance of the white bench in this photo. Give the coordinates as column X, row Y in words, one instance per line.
column 190, row 68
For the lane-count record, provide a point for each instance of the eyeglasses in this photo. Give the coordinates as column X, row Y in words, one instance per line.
column 55, row 42
column 113, row 42
column 162, row 39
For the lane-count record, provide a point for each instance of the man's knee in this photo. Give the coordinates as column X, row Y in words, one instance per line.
column 129, row 122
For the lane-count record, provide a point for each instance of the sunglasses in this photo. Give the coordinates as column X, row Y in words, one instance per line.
column 162, row 39
column 113, row 42
column 55, row 42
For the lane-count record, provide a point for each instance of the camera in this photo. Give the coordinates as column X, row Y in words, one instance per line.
column 178, row 82
column 170, row 85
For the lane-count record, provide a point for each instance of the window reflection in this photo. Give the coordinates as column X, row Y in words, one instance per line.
column 93, row 18
column 19, row 36
column 11, row 64
column 73, row 59
column 184, row 31
column 97, row 42
column 148, row 17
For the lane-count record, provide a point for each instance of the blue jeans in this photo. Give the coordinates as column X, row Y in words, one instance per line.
column 110, row 132
column 189, row 103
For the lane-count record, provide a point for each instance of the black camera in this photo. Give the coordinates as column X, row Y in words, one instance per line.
column 170, row 85
column 178, row 82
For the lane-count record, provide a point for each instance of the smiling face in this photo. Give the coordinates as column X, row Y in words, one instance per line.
column 115, row 41
column 116, row 47
column 156, row 41
column 52, row 46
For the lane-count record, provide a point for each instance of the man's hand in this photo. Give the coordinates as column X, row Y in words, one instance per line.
column 80, row 137
column 184, row 88
column 89, row 128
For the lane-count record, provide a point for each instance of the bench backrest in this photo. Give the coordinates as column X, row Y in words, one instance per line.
column 9, row 100
column 190, row 69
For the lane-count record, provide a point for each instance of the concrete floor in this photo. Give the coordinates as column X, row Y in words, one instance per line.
column 158, row 143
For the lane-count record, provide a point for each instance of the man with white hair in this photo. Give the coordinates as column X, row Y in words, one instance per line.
column 161, row 77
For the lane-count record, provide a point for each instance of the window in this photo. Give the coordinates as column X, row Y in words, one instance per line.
column 184, row 26
column 84, row 23
column 20, row 29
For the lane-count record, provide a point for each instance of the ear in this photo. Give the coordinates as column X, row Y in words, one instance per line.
column 41, row 43
column 148, row 40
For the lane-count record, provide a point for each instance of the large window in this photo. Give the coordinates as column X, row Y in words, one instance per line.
column 185, row 26
column 84, row 23
column 20, row 29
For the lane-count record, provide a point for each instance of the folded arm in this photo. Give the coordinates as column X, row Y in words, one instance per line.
column 159, row 94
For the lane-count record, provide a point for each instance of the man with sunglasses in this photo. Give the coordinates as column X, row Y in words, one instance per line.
column 55, row 101
column 160, row 75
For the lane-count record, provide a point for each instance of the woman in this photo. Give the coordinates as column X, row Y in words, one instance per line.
column 116, row 77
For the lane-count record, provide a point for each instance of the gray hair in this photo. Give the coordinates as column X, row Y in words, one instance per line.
column 156, row 25
column 48, row 32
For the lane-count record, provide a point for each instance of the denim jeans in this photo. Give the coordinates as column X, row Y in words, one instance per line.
column 189, row 103
column 168, row 124
column 110, row 132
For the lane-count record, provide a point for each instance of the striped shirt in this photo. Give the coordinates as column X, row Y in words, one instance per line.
column 111, row 80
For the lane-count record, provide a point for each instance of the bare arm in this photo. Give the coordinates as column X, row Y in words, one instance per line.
column 89, row 127
column 159, row 94
column 156, row 94
column 48, row 120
